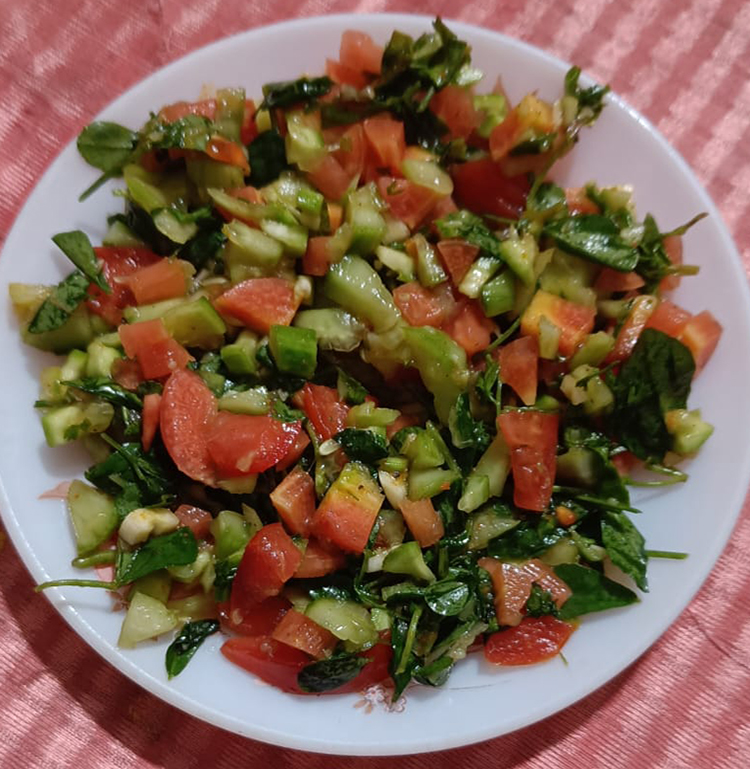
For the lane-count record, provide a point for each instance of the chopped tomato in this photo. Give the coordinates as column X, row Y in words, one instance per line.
column 324, row 409
column 127, row 373
column 535, row 640
column 164, row 279
column 640, row 311
column 150, row 419
column 259, row 303
column 470, row 327
column 454, row 105
column 505, row 135
column 385, row 138
column 374, row 672
column 610, row 280
column 409, row 202
column 668, row 318
column 117, row 262
column 295, row 452
column 156, row 352
column 335, row 215
column 330, row 178
column 579, row 202
column 319, row 559
column 249, row 193
column 344, row 75
column 423, row 520
column 351, row 152
column 226, row 151
column 173, row 112
column 194, row 518
column 249, row 129
column 422, row 306
column 317, row 258
column 511, row 586
column 532, row 439
column 294, row 500
column 271, row 661
column 269, row 560
column 575, row 321
column 360, row 52
column 457, row 256
column 700, row 335
column 519, row 367
column 254, row 618
column 481, row 186
column 299, row 631
column 187, row 408
column 241, row 444
column 673, row 249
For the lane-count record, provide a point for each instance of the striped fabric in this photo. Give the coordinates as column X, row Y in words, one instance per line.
column 686, row 65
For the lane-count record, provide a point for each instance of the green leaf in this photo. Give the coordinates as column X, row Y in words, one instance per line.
column 592, row 591
column 656, row 378
column 179, row 548
column 349, row 389
column 609, row 483
column 284, row 413
column 548, row 199
column 289, row 93
column 182, row 649
column 527, row 540
column 625, row 546
column 226, row 571
column 328, row 674
column 202, row 247
column 469, row 227
column 487, row 383
column 540, row 602
column 594, row 237
column 591, row 98
column 467, row 432
column 362, row 445
column 653, row 263
column 267, row 157
column 77, row 247
column 106, row 390
column 447, row 597
column 60, row 304
column 106, row 146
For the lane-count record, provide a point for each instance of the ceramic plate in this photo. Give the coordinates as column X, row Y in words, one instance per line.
column 479, row 702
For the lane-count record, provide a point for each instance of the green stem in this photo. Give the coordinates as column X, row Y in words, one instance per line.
column 674, row 556
column 607, row 504
column 76, row 583
column 505, row 335
column 105, row 558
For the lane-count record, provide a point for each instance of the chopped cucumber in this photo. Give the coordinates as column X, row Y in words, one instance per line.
column 64, row 424
column 408, row 559
column 146, row 618
column 230, row 532
column 498, row 295
column 93, row 515
column 239, row 357
column 487, row 524
column 254, row 401
column 195, row 324
column 347, row 620
column 334, row 328
column 294, row 349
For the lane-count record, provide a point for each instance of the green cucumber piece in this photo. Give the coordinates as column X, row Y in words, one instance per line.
column 207, row 174
column 230, row 112
column 520, row 255
column 688, row 429
column 254, row 402
column 498, row 295
column 93, row 515
column 64, row 424
column 422, row 451
column 156, row 585
column 478, row 275
column 294, row 350
column 146, row 618
column 476, row 492
column 77, row 331
column 427, row 483
column 99, row 359
column 485, row 525
column 347, row 620
column 247, row 246
column 195, row 324
column 594, row 350
column 231, row 533
column 407, row 559
column 120, row 235
column 239, row 357
column 293, row 237
column 334, row 328
column 150, row 311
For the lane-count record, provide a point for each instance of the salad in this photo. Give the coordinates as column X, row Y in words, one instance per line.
column 363, row 388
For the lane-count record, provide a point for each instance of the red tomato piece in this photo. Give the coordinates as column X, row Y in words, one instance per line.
column 409, row 202
column 422, row 306
column 187, row 408
column 295, row 452
column 136, row 336
column 535, row 640
column 351, row 152
column 481, row 186
column 324, row 409
column 271, row 661
column 117, row 263
column 423, row 520
column 194, row 518
column 360, row 52
column 241, row 444
column 319, row 559
column 269, row 560
column 259, row 303
column 579, row 202
column 673, row 248
column 640, row 311
column 512, row 588
column 612, row 280
column 519, row 367
column 330, row 178
column 700, row 335
column 575, row 321
column 532, row 439
column 173, row 112
column 455, row 107
column 226, row 151
column 299, row 631
column 294, row 500
column 150, row 419
column 457, row 256
column 253, row 618
column 317, row 258
column 344, row 75
column 156, row 352
column 469, row 327
column 505, row 135
column 668, row 318
column 249, row 129
column 164, row 279
column 376, row 671
column 127, row 373
column 385, row 138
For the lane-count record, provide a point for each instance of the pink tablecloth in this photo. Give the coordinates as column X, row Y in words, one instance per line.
column 686, row 65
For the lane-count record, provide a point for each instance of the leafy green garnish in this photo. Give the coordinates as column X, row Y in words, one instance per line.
column 77, row 247
column 540, row 602
column 625, row 546
column 362, row 445
column 466, row 431
column 594, row 237
column 592, row 591
column 106, row 390
column 284, row 413
column 267, row 157
column 182, row 649
column 470, row 227
column 349, row 389
column 590, row 99
column 653, row 263
column 55, row 310
column 108, row 147
column 328, row 674
column 178, row 548
column 609, row 483
column 289, row 93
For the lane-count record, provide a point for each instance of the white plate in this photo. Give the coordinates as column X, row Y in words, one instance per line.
column 479, row 702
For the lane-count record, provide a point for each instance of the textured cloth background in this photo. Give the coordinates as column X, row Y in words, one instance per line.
column 684, row 64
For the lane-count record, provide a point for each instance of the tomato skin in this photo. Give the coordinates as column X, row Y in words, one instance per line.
column 269, row 560
column 385, row 139
column 344, row 75
column 409, row 202
column 173, row 112
column 457, row 256
column 164, row 279
column 317, row 258
column 505, row 135
column 668, row 318
column 271, row 661
column 294, row 500
column 226, row 151
column 117, row 262
column 330, row 178
column 376, row 671
column 295, row 452
column 187, row 408
column 469, row 327
column 532, row 439
column 300, row 632
column 481, row 186
column 194, row 518
column 324, row 409
column 351, row 153
column 579, row 202
column 700, row 335
column 150, row 419
column 422, row 306
column 423, row 520
column 535, row 640
column 259, row 303
column 360, row 52
column 455, row 107
column 251, row 618
column 519, row 367
column 343, row 522
column 641, row 310
column 613, row 280
column 241, row 444
column 319, row 559
column 156, row 352
column 249, row 129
